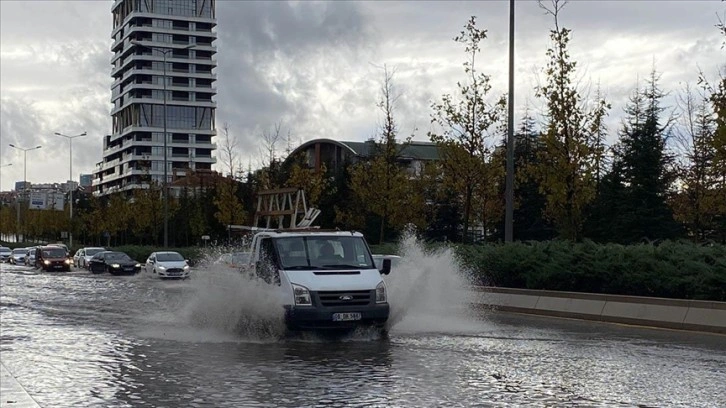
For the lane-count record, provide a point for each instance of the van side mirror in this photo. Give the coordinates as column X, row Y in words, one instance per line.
column 386, row 268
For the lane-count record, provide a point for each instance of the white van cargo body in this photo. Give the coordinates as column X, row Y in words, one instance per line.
column 327, row 279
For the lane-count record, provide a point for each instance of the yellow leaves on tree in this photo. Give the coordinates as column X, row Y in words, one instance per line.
column 230, row 210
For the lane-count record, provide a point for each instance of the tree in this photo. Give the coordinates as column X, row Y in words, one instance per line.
column 694, row 204
column 644, row 174
column 229, row 208
column 529, row 220
column 465, row 125
column 313, row 182
column 566, row 168
column 230, row 158
column 147, row 210
column 381, row 183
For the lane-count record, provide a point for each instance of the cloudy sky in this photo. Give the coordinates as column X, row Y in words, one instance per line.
column 315, row 66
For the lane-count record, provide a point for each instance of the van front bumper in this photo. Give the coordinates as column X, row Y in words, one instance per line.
column 321, row 318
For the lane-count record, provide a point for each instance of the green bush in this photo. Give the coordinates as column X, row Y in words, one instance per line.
column 671, row 269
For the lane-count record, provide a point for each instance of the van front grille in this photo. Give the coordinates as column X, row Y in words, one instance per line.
column 346, row 298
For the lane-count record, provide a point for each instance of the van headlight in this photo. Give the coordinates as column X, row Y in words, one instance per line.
column 301, row 295
column 381, row 293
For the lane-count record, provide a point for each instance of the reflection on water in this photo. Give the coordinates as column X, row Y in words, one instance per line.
column 95, row 340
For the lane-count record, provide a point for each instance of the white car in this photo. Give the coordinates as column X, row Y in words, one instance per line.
column 83, row 255
column 168, row 265
column 5, row 254
column 18, row 256
column 234, row 260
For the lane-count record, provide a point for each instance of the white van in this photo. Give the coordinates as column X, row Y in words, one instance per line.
column 327, row 279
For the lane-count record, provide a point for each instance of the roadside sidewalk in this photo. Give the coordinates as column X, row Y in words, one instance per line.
column 12, row 394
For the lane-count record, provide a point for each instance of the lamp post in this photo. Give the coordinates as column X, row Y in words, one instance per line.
column 509, row 190
column 25, row 151
column 70, row 183
column 165, row 188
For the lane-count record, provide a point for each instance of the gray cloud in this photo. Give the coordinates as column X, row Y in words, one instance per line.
column 314, row 65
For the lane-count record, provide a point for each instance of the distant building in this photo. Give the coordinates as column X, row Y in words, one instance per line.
column 22, row 185
column 86, row 180
column 335, row 154
column 158, row 43
column 70, row 186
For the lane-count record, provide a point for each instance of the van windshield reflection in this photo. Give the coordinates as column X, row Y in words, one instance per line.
column 323, row 252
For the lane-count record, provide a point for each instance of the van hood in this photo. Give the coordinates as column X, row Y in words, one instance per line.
column 334, row 280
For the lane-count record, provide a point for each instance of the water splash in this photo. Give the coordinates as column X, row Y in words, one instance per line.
column 226, row 299
column 427, row 290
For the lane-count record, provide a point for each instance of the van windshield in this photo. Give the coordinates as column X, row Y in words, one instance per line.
column 323, row 252
column 53, row 253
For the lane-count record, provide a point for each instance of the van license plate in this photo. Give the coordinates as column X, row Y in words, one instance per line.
column 345, row 317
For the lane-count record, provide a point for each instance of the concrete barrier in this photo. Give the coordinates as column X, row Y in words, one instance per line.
column 655, row 312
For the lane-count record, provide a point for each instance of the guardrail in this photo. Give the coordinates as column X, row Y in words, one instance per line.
column 696, row 315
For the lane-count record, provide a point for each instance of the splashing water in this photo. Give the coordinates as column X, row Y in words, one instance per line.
column 427, row 291
column 228, row 300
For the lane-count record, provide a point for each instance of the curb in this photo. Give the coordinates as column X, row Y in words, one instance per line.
column 12, row 393
column 691, row 315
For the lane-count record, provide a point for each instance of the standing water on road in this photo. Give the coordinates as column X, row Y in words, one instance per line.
column 77, row 339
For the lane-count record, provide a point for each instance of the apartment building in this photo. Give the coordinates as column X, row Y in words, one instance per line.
column 163, row 79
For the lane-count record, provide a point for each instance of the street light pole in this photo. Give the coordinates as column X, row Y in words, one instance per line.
column 25, row 182
column 164, row 185
column 509, row 189
column 70, row 184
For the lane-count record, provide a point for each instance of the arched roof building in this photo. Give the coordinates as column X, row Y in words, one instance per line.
column 335, row 154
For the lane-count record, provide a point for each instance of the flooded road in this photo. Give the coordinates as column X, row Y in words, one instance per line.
column 77, row 339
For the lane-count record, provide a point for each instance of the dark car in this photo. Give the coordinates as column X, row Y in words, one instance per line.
column 116, row 263
column 51, row 258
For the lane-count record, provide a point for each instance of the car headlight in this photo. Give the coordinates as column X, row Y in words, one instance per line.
column 138, row 265
column 301, row 295
column 115, row 265
column 46, row 262
column 381, row 293
column 161, row 267
column 68, row 261
column 186, row 267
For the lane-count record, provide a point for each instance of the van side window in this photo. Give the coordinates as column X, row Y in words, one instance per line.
column 267, row 268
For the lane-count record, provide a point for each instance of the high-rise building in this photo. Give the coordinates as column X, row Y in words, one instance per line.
column 157, row 42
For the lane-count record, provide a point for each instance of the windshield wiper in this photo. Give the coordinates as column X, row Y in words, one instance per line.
column 298, row 268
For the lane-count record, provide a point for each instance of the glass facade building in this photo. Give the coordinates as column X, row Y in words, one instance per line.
column 159, row 44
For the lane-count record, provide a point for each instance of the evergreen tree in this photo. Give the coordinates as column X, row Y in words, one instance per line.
column 529, row 221
column 641, row 175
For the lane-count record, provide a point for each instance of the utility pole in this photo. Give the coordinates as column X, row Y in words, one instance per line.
column 70, row 185
column 164, row 184
column 509, row 196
